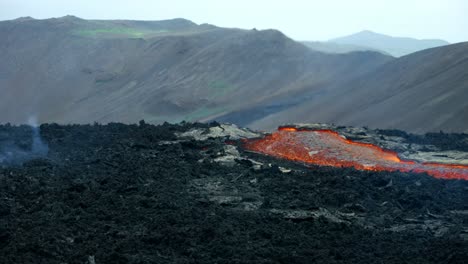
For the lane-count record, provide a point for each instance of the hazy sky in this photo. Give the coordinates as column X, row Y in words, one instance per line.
column 299, row 19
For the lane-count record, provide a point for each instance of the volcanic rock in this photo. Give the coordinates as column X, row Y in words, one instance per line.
column 140, row 194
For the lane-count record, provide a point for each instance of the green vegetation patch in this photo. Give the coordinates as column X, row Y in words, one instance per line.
column 114, row 31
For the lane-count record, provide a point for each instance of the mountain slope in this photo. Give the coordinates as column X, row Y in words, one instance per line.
column 424, row 91
column 331, row 47
column 74, row 70
column 396, row 46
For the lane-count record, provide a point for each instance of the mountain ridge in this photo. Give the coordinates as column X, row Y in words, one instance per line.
column 420, row 92
column 72, row 70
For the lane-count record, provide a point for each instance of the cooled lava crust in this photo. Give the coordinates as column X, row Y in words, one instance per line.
column 140, row 194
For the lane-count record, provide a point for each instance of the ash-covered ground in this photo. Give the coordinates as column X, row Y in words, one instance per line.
column 190, row 194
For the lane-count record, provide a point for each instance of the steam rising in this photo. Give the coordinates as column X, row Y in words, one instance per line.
column 38, row 146
column 11, row 153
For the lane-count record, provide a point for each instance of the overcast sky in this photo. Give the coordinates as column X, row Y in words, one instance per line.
column 299, row 19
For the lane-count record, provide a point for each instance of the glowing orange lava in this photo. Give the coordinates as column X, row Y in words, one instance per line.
column 328, row 148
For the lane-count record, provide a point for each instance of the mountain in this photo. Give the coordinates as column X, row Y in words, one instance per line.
column 424, row 91
column 395, row 46
column 330, row 47
column 71, row 70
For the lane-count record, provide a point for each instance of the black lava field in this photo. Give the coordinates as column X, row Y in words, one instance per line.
column 140, row 194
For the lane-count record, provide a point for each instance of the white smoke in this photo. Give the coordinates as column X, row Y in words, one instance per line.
column 38, row 146
column 10, row 153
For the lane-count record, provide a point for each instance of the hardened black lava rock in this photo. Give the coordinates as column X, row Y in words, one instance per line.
column 140, row 194
column 444, row 141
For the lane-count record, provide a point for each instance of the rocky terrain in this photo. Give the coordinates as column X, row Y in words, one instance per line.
column 191, row 193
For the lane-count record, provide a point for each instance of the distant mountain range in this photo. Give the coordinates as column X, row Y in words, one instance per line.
column 368, row 40
column 71, row 70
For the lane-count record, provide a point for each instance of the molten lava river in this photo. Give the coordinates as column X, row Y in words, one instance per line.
column 328, row 148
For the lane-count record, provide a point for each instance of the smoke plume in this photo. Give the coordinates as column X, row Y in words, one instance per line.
column 11, row 153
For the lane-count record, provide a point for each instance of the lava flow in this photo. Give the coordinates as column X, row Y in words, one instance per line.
column 328, row 148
